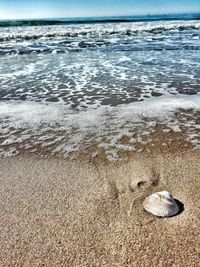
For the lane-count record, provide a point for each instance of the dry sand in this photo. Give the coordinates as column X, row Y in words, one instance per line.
column 57, row 212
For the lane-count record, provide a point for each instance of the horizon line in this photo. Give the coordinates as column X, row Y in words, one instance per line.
column 107, row 16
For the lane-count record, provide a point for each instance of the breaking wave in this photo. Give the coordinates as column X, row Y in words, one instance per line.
column 149, row 36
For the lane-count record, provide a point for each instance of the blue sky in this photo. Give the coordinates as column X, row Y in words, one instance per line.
column 13, row 9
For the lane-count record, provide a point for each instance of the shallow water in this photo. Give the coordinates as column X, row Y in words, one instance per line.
column 69, row 86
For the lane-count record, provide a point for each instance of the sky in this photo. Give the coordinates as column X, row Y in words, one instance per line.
column 19, row 9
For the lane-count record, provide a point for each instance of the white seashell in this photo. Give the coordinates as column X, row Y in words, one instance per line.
column 161, row 204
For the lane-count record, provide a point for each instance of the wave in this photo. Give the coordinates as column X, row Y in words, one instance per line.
column 173, row 35
column 91, row 32
column 80, row 47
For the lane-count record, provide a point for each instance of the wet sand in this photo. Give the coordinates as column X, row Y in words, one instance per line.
column 57, row 212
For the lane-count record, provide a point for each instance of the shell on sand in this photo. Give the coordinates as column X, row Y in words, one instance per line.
column 161, row 204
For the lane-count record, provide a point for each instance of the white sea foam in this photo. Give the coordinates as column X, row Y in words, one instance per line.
column 35, row 113
column 123, row 79
column 93, row 29
column 63, row 131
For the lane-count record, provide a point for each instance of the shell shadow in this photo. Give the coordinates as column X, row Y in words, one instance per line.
column 180, row 206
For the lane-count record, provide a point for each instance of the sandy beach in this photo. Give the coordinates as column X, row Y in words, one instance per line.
column 57, row 212
column 96, row 115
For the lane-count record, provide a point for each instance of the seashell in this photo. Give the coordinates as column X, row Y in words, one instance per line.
column 161, row 204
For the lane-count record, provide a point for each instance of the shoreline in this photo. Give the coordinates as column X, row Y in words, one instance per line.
column 128, row 128
column 61, row 212
column 94, row 119
column 159, row 140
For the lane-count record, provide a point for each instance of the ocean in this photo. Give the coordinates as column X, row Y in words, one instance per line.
column 67, row 85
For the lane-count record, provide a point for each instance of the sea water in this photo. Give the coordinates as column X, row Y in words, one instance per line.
column 67, row 84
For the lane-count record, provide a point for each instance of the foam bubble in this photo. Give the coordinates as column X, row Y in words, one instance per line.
column 62, row 131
